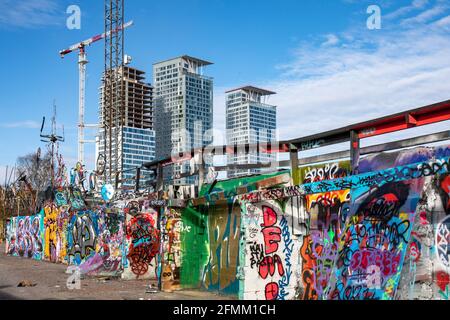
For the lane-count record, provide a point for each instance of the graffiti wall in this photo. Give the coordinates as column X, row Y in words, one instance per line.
column 327, row 171
column 2, row 230
column 221, row 270
column 271, row 251
column 426, row 265
column 25, row 236
column 172, row 228
column 194, row 247
column 51, row 213
column 109, row 247
column 62, row 221
column 142, row 246
column 374, row 240
column 82, row 237
column 378, row 235
column 382, row 234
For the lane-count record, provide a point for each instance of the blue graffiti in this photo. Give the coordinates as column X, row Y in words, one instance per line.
column 288, row 249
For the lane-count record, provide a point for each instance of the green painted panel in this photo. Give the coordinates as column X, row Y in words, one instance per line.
column 195, row 248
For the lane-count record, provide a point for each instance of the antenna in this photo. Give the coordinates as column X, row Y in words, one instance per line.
column 52, row 139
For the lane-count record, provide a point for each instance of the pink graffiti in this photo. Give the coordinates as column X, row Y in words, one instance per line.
column 386, row 260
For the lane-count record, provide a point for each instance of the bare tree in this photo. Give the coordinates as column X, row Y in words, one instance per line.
column 35, row 172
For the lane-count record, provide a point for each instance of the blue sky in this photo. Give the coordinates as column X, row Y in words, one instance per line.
column 328, row 69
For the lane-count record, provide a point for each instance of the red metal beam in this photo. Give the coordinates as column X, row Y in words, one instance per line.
column 405, row 120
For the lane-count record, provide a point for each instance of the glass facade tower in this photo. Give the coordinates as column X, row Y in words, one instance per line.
column 249, row 119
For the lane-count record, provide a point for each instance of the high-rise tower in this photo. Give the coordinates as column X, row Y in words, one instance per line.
column 183, row 110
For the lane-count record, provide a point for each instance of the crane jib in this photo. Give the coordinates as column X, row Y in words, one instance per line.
column 93, row 39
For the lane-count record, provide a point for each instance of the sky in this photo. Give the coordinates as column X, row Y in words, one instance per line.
column 328, row 69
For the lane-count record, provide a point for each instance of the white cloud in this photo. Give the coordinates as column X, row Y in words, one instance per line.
column 331, row 40
column 426, row 15
column 374, row 75
column 26, row 124
column 402, row 11
column 30, row 13
column 443, row 22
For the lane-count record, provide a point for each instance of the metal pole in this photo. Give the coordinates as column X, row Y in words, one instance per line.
column 354, row 151
column 82, row 61
column 138, row 178
column 293, row 154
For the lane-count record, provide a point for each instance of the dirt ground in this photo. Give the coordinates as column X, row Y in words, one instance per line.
column 50, row 280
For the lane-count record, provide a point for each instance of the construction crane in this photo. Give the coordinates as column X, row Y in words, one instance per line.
column 82, row 61
column 114, row 95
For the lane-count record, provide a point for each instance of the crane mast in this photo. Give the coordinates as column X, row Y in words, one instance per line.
column 82, row 62
column 112, row 113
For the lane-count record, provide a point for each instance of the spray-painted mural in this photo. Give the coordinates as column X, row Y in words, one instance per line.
column 224, row 232
column 272, row 252
column 382, row 234
column 25, row 236
column 50, row 224
column 374, row 241
column 426, row 269
column 107, row 258
column 82, row 237
column 142, row 246
column 357, row 234
column 172, row 228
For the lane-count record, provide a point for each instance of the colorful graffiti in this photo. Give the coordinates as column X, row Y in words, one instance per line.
column 224, row 231
column 426, row 272
column 82, row 237
column 50, row 225
column 107, row 260
column 328, row 171
column 382, row 234
column 143, row 240
column 374, row 241
column 272, row 252
column 24, row 236
column 172, row 228
column 355, row 235
column 62, row 221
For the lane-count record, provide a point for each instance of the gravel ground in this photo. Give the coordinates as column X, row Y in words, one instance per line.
column 50, row 280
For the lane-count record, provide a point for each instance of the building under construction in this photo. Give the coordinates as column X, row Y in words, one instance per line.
column 126, row 134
